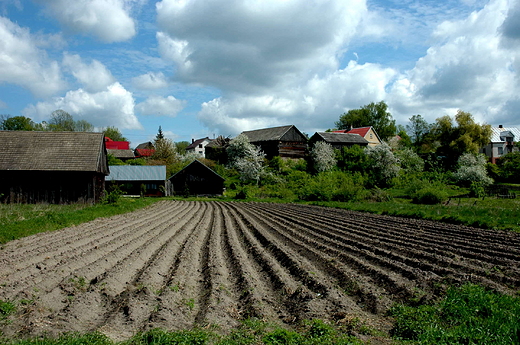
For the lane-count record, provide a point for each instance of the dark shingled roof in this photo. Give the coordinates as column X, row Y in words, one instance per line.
column 121, row 154
column 268, row 134
column 341, row 138
column 52, row 151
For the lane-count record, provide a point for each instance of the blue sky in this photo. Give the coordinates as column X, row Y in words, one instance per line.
column 218, row 67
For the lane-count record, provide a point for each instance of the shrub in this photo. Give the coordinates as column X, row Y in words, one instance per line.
column 429, row 196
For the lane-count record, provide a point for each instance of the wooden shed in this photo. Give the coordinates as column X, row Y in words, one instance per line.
column 197, row 179
column 52, row 167
column 338, row 140
column 284, row 141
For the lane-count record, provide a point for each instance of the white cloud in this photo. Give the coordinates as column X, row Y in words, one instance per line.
column 251, row 46
column 111, row 107
column 150, row 81
column 94, row 77
column 465, row 69
column 24, row 64
column 161, row 106
column 108, row 20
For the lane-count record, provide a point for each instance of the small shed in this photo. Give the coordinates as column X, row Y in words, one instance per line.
column 197, row 179
column 283, row 141
column 134, row 179
column 52, row 167
column 338, row 140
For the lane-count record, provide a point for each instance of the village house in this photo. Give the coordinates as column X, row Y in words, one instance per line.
column 119, row 149
column 198, row 146
column 338, row 140
column 144, row 150
column 502, row 142
column 52, row 167
column 197, row 179
column 283, row 141
column 369, row 133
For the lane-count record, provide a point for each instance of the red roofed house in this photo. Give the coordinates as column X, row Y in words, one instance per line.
column 119, row 149
column 369, row 133
column 144, row 150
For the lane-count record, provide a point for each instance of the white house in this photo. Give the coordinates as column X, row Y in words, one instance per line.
column 502, row 142
column 198, row 146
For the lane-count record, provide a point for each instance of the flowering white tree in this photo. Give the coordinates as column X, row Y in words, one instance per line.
column 472, row 169
column 323, row 156
column 382, row 163
column 246, row 158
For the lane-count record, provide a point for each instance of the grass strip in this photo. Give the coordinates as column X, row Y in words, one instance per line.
column 251, row 332
column 18, row 220
column 466, row 315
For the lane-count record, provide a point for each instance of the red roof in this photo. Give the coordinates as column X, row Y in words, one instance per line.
column 116, row 145
column 361, row 131
column 144, row 152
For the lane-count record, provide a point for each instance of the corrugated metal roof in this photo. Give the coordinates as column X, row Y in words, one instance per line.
column 137, row 173
column 52, row 151
column 342, row 138
column 499, row 133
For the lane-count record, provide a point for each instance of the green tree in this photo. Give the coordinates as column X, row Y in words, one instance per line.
column 17, row 123
column 181, row 146
column 353, row 159
column 373, row 114
column 509, row 167
column 160, row 134
column 165, row 151
column 83, row 126
column 246, row 158
column 114, row 134
column 465, row 136
column 418, row 130
column 61, row 121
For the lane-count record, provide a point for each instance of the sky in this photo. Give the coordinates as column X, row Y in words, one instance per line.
column 203, row 68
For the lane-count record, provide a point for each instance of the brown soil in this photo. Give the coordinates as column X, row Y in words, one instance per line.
column 180, row 264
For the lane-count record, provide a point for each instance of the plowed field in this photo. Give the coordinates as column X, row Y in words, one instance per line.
column 178, row 264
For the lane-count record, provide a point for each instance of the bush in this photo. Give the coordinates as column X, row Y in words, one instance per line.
column 332, row 186
column 429, row 196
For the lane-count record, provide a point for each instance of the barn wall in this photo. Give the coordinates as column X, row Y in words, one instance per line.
column 50, row 187
column 196, row 180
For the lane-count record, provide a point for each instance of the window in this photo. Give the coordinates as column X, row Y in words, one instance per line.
column 500, row 150
column 371, row 136
column 200, row 146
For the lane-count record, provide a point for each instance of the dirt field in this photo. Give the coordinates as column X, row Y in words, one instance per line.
column 178, row 264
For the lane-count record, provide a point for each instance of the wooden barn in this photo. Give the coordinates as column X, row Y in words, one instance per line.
column 284, row 141
column 197, row 179
column 136, row 179
column 52, row 167
column 338, row 140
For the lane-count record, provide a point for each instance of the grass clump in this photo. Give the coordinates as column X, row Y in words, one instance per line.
column 466, row 315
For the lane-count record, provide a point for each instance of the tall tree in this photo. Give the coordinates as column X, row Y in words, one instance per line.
column 160, row 134
column 83, row 126
column 18, row 123
column 463, row 136
column 323, row 156
column 373, row 114
column 418, row 129
column 246, row 158
column 114, row 134
column 61, row 121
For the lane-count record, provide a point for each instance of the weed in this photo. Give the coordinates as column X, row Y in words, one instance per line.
column 6, row 309
column 175, row 288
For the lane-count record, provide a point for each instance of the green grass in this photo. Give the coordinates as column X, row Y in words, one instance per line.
column 251, row 332
column 489, row 213
column 18, row 220
column 467, row 315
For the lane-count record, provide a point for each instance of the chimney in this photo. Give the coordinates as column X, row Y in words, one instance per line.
column 192, row 140
column 500, row 126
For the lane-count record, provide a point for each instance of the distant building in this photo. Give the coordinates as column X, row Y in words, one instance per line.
column 369, row 133
column 338, row 140
column 197, row 179
column 502, row 142
column 119, row 149
column 283, row 141
column 52, row 167
column 199, row 146
column 134, row 179
column 144, row 150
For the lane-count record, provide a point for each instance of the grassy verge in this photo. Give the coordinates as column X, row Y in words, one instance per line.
column 489, row 213
column 467, row 315
column 251, row 332
column 17, row 220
